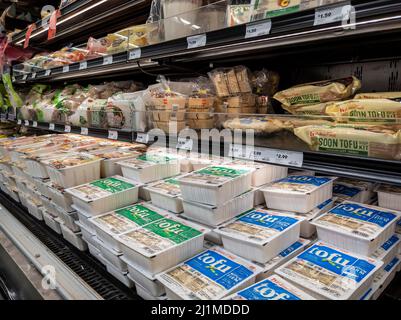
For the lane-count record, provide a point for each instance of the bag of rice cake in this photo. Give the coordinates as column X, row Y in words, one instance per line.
column 371, row 142
column 365, row 110
column 318, row 92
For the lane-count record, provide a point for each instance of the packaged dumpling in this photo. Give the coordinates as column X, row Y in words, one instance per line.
column 318, row 92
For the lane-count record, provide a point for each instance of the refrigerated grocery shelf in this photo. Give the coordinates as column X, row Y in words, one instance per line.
column 81, row 19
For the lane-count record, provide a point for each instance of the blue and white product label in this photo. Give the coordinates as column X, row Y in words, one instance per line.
column 328, row 270
column 269, row 289
column 259, row 225
column 398, row 226
column 325, row 204
column 209, row 275
column 370, row 221
column 386, row 247
column 389, row 267
column 299, row 183
column 344, row 192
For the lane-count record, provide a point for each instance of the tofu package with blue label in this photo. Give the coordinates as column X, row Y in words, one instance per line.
column 356, row 190
column 161, row 244
column 272, row 288
column 389, row 196
column 216, row 185
column 104, row 195
column 150, row 167
column 344, row 192
column 211, row 275
column 109, row 225
column 298, row 193
column 260, row 235
column 326, row 272
column 214, row 216
column 383, row 278
column 285, row 255
column 388, row 250
column 357, row 227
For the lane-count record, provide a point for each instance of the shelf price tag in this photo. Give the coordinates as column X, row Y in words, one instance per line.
column 142, row 138
column 67, row 129
column 35, row 124
column 107, row 60
column 83, row 65
column 196, row 41
column 33, row 76
column 66, row 69
column 113, row 135
column 11, row 117
column 48, row 72
column 19, row 121
column 26, row 123
column 24, row 77
column 51, row 126
column 185, row 144
column 3, row 117
column 134, row 54
column 84, row 131
column 257, row 29
column 332, row 14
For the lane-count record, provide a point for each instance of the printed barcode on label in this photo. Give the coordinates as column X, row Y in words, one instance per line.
column 84, row 131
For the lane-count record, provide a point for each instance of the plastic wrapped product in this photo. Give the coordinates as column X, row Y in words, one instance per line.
column 272, row 288
column 345, row 192
column 318, row 92
column 357, row 227
column 388, row 250
column 162, row 244
column 298, row 193
column 326, row 272
column 150, row 167
column 166, row 194
column 211, row 275
column 265, row 82
column 384, row 277
column 260, row 235
column 216, row 185
column 312, row 110
column 109, row 225
column 365, row 110
column 373, row 143
column 100, row 196
column 259, row 125
column 367, row 188
column 379, row 95
column 389, row 197
column 238, row 14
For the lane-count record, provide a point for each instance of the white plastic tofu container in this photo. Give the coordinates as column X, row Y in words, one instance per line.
column 60, row 197
column 259, row 197
column 69, row 219
column 89, row 237
column 71, row 176
column 34, row 210
column 162, row 244
column 326, row 272
column 166, row 194
column 260, row 235
column 104, row 195
column 388, row 250
column 112, row 256
column 52, row 222
column 384, row 277
column 398, row 227
column 144, row 193
column 109, row 225
column 389, row 197
column 150, row 284
column 356, row 227
column 264, row 173
column 145, row 295
column 344, row 192
column 94, row 251
column 83, row 218
column 284, row 256
column 298, row 193
column 42, row 186
column 120, row 276
column 216, row 185
column 211, row 235
column 272, row 288
column 50, row 206
column 150, row 167
column 215, row 273
column 215, row 215
column 74, row 238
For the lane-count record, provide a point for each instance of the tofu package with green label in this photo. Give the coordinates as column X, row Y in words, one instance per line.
column 109, row 225
column 150, row 167
column 260, row 235
column 162, row 244
column 298, row 193
column 215, row 185
column 104, row 195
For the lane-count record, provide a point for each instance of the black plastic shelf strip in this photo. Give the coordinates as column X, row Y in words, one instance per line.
column 177, row 49
column 82, row 263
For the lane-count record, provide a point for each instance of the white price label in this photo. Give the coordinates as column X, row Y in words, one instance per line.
column 11, row 116
column 67, row 129
column 34, row 124
column 142, row 138
column 107, row 60
column 48, row 72
column 257, row 29
column 185, row 144
column 24, row 77
column 196, row 41
column 19, row 121
column 66, row 69
column 113, row 135
column 26, row 123
column 83, row 65
column 51, row 126
column 84, row 131
column 134, row 54
column 332, row 14
column 33, row 76
column 3, row 117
